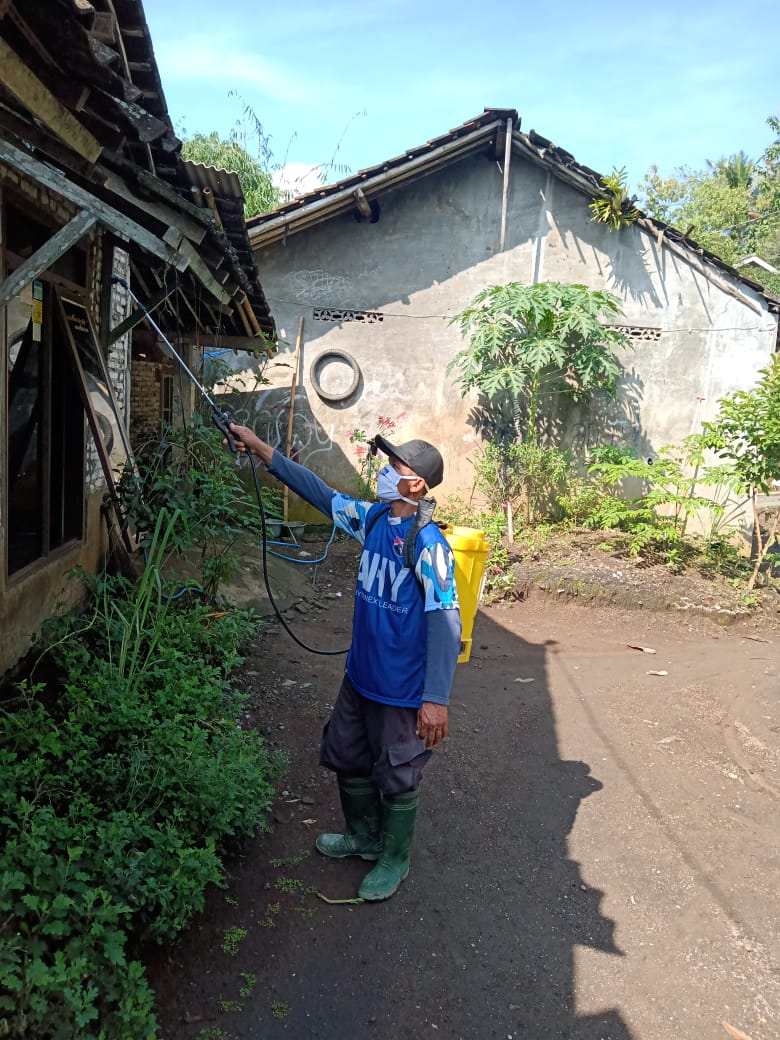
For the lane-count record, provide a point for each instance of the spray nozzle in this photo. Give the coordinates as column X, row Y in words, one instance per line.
column 116, row 280
column 222, row 422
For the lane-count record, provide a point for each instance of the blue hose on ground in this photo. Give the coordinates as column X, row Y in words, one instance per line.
column 292, row 559
column 181, row 592
column 281, row 556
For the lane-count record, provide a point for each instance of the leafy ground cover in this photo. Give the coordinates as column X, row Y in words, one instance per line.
column 524, row 764
column 124, row 790
column 126, row 768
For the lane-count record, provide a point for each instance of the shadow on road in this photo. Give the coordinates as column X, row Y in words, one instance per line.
column 497, row 859
column 479, row 942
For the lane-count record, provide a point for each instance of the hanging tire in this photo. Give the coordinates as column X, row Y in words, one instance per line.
column 316, row 368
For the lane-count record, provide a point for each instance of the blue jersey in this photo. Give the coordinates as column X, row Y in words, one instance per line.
column 387, row 660
column 397, row 655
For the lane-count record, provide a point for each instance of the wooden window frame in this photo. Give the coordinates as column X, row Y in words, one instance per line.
column 9, row 261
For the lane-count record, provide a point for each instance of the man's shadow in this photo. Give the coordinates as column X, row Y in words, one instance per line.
column 493, row 854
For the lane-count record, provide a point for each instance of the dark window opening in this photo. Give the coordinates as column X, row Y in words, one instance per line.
column 24, row 235
column 166, row 397
column 45, row 445
column 26, row 397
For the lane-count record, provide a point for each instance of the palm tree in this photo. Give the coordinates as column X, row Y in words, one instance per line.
column 738, row 170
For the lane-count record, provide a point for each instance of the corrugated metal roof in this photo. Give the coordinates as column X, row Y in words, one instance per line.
column 209, row 183
column 221, row 182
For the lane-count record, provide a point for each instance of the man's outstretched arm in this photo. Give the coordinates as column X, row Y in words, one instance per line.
column 302, row 481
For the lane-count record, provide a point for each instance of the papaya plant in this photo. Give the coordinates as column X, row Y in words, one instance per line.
column 533, row 343
column 746, row 433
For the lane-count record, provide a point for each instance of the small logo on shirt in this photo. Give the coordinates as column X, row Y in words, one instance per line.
column 398, row 546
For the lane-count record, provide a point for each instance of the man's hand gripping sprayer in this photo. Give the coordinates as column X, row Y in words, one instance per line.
column 219, row 416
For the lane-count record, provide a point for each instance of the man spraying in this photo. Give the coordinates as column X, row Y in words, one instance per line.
column 391, row 710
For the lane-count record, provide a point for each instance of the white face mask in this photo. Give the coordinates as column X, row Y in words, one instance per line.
column 387, row 486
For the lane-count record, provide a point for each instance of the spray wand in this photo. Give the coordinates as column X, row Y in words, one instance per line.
column 220, row 417
column 222, row 421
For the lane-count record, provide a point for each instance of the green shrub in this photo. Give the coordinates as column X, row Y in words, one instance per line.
column 187, row 473
column 64, row 971
column 498, row 474
column 118, row 787
column 458, row 513
column 658, row 516
column 545, row 475
column 527, row 473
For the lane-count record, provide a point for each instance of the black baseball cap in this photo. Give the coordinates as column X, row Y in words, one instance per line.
column 422, row 457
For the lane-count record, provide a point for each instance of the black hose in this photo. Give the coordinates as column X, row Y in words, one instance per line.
column 285, row 626
column 222, row 421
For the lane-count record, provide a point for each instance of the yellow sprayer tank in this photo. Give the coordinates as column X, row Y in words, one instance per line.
column 470, row 549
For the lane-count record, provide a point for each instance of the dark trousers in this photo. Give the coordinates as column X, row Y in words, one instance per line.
column 366, row 738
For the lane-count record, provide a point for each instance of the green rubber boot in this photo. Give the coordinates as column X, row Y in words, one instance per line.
column 361, row 804
column 399, row 814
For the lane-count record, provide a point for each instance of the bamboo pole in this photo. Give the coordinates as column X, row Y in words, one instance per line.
column 291, row 416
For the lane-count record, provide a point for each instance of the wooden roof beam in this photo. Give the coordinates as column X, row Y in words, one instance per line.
column 362, row 204
column 32, row 93
column 59, row 243
column 123, row 226
column 29, row 34
column 138, row 315
column 104, row 27
column 227, row 341
column 44, row 142
column 166, row 214
column 200, row 269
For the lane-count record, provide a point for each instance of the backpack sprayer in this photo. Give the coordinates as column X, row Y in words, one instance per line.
column 222, row 420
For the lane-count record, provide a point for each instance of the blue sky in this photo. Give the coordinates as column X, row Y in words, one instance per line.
column 616, row 84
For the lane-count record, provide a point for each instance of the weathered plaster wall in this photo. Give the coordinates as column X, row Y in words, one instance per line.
column 435, row 245
column 39, row 592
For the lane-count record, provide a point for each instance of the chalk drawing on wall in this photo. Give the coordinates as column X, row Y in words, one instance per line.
column 267, row 413
column 322, row 286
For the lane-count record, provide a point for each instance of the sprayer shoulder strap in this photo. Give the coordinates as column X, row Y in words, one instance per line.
column 375, row 514
column 424, row 517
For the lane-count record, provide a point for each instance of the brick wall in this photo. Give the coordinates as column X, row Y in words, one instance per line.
column 146, row 396
column 37, row 195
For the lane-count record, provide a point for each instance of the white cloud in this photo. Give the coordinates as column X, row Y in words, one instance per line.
column 213, row 60
column 295, row 178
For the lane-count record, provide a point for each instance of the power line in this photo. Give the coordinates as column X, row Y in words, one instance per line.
column 744, row 223
column 449, row 317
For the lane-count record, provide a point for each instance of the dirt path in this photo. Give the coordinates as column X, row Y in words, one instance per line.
column 596, row 855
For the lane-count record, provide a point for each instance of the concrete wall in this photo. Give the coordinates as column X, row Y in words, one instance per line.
column 435, row 245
